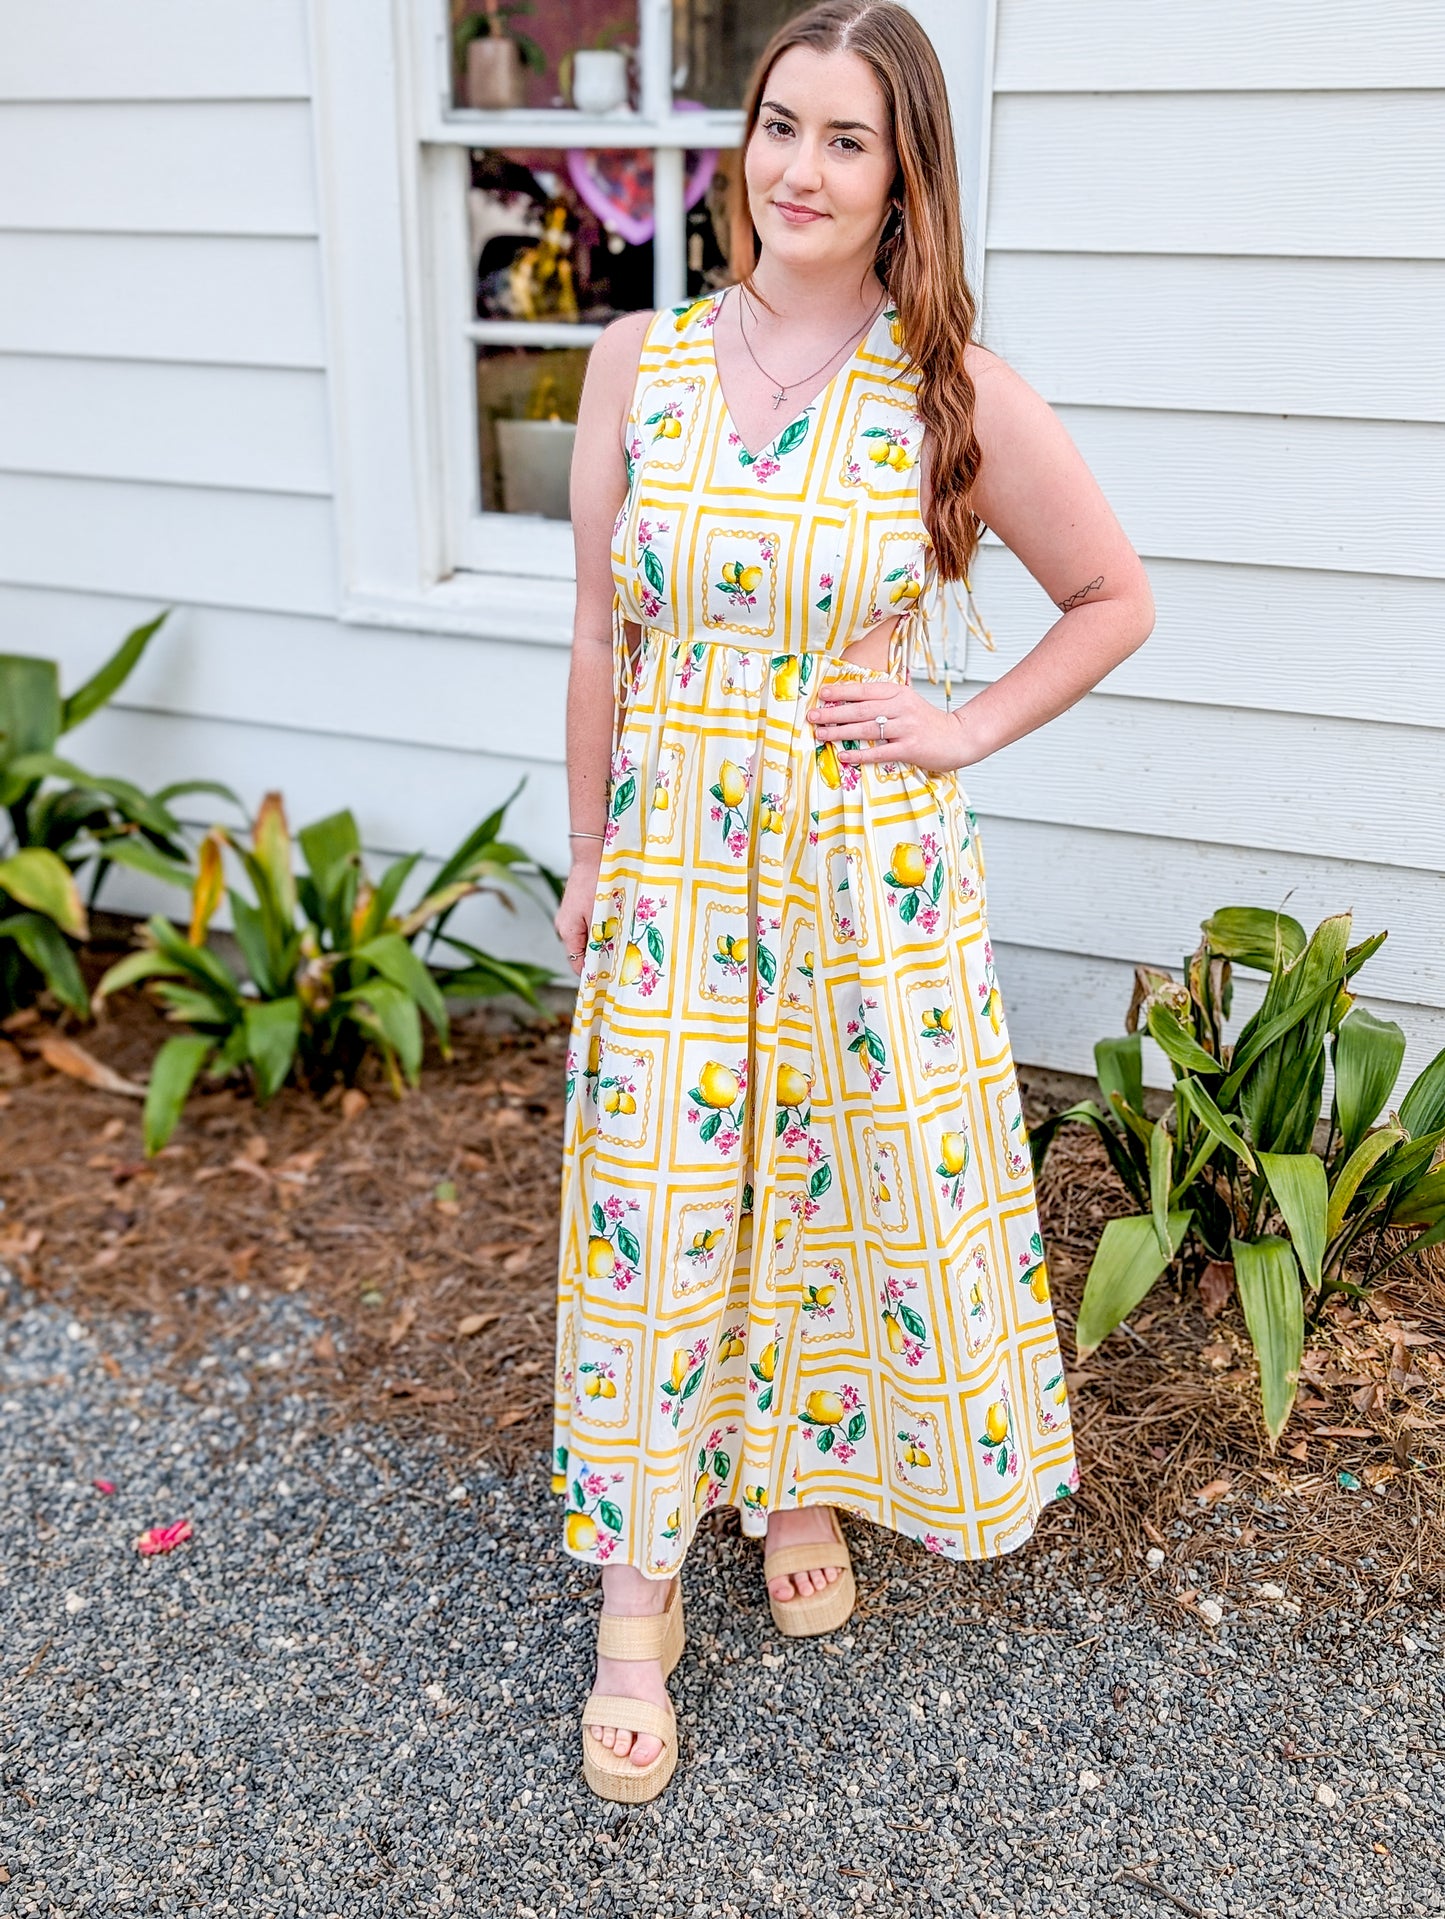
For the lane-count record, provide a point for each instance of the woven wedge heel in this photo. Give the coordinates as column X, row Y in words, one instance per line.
column 659, row 1636
column 813, row 1612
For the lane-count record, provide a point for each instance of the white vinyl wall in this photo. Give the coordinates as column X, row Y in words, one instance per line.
column 1215, row 241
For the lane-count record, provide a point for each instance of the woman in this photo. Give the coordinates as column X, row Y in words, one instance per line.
column 800, row 1262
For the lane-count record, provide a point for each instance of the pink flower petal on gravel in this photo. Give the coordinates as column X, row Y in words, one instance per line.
column 160, row 1539
column 103, row 1485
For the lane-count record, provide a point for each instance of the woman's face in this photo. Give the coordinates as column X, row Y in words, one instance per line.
column 820, row 162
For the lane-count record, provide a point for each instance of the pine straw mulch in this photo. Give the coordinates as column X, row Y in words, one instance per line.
column 423, row 1233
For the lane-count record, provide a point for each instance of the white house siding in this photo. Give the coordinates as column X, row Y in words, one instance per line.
column 165, row 439
column 1215, row 241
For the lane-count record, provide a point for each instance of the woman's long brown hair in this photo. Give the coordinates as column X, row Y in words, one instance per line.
column 920, row 255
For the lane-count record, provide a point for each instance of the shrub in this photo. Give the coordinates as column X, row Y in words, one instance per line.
column 1231, row 1173
column 331, row 966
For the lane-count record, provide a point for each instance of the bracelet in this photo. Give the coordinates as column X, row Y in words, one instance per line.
column 575, row 834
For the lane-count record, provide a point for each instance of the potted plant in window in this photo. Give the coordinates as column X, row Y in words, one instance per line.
column 492, row 55
column 594, row 76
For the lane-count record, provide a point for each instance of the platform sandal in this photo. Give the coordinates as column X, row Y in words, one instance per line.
column 659, row 1636
column 819, row 1611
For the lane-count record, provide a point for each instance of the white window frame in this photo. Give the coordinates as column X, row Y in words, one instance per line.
column 414, row 548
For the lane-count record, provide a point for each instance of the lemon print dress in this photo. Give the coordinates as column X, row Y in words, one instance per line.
column 800, row 1260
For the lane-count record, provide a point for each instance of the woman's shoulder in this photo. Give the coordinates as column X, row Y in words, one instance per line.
column 617, row 350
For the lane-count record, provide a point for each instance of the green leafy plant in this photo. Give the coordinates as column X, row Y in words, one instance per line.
column 56, row 819
column 331, row 963
column 1230, row 1173
column 493, row 22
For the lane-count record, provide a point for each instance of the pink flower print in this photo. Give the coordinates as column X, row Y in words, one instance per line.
column 594, row 1484
column 646, row 908
column 843, row 1451
column 734, row 440
column 737, row 842
column 825, row 580
column 766, row 467
column 849, row 1397
column 613, row 1207
column 768, row 548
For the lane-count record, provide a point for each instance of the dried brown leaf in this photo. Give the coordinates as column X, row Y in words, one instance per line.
column 475, row 1323
column 63, row 1055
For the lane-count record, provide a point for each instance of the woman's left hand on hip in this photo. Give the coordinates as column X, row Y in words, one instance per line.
column 915, row 732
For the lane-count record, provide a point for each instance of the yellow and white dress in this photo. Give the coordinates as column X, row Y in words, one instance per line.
column 800, row 1260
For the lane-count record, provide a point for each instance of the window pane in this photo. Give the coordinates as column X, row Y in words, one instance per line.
column 533, row 62
column 561, row 236
column 715, row 42
column 526, row 420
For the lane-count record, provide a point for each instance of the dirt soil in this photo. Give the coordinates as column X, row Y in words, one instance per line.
column 423, row 1232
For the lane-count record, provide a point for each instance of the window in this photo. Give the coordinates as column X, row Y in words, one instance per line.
column 456, row 338
column 584, row 140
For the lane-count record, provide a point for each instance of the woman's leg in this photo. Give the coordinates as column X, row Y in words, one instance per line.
column 629, row 1592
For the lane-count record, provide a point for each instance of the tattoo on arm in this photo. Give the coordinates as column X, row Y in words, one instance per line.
column 1083, row 592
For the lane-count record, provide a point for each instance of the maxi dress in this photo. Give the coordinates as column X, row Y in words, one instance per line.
column 800, row 1259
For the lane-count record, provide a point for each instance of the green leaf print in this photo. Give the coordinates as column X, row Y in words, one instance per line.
column 623, row 796
column 610, row 1515
column 877, row 433
column 790, row 437
column 599, row 1218
column 765, row 1399
column 857, row 1426
column 825, row 605
column 652, row 567
column 628, row 1246
column 655, row 945
column 825, row 1439
column 875, row 1046
column 653, row 418
column 722, row 1464
column 914, row 1322
column 821, row 1180
column 937, row 886
column 908, row 908
column 578, row 1497
column 692, row 1382
column 767, row 965
column 709, row 1127
column 745, row 458
column 899, row 572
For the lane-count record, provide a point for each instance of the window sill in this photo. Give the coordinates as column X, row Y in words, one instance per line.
column 527, row 611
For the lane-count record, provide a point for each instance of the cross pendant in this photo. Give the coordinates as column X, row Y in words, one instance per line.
column 779, row 397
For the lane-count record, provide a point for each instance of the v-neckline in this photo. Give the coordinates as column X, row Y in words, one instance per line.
column 825, row 389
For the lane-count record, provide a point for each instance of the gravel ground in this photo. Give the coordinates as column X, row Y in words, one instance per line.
column 353, row 1692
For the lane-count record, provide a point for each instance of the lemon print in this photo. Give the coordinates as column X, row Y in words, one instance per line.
column 731, row 1348
column 757, row 1496
column 793, row 1086
column 581, row 1533
column 593, row 1387
column 594, row 1054
column 975, row 1297
column 699, row 1491
column 631, row 962
column 885, row 1191
column 878, row 453
column 772, row 820
column 895, row 1333
column 612, row 1099
column 908, row 865
column 824, row 1409
column 915, row 1456
column 785, row 680
column 953, row 1152
column 689, row 313
column 905, row 589
column 895, row 329
column 768, row 1359
column 607, row 1388
column 559, row 1482
column 824, row 1295
column 718, row 1085
column 1039, row 1284
column 660, row 800
column 945, row 1019
column 706, row 1241
column 732, row 783
column 899, row 459
column 674, row 1520
column 601, row 1258
column 829, row 770
column 780, row 1232
column 996, row 1424
column 625, row 1102
column 670, row 428
column 680, row 1371
column 750, row 578
column 1061, row 1391
column 808, row 960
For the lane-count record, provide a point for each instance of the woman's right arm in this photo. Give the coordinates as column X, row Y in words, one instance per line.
column 598, row 488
